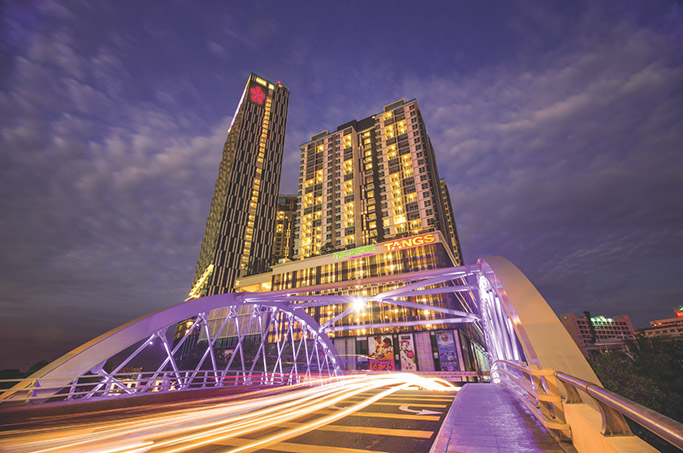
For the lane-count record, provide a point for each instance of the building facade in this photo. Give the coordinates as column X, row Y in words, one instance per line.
column 370, row 181
column 598, row 333
column 370, row 210
column 450, row 220
column 285, row 222
column 418, row 338
column 240, row 226
column 667, row 328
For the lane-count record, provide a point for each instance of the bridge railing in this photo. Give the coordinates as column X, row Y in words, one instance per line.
column 136, row 383
column 538, row 389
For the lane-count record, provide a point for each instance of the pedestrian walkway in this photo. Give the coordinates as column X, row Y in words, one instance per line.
column 490, row 418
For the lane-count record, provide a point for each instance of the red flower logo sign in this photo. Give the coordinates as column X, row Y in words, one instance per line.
column 257, row 95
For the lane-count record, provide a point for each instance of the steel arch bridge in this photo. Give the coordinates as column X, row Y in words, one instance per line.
column 273, row 340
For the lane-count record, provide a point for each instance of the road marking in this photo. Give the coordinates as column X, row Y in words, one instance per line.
column 426, row 393
column 407, row 398
column 399, row 403
column 405, row 407
column 428, row 418
column 294, row 447
column 398, row 396
column 367, row 430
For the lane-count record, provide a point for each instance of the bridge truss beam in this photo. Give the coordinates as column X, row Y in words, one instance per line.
column 270, row 335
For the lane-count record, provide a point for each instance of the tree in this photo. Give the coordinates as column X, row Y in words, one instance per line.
column 651, row 376
column 37, row 366
column 10, row 373
column 17, row 375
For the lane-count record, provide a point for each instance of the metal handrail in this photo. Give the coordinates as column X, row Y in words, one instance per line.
column 612, row 406
column 137, row 383
column 525, row 368
column 545, row 405
column 661, row 425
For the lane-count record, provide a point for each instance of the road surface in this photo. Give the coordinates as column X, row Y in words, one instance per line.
column 385, row 413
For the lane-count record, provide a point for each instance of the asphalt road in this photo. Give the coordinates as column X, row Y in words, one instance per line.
column 364, row 415
column 406, row 421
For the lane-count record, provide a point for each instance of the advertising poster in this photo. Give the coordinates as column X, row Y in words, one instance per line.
column 407, row 352
column 448, row 356
column 381, row 353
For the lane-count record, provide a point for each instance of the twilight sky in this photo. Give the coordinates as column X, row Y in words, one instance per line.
column 557, row 125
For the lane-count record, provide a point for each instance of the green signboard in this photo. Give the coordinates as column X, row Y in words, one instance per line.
column 355, row 253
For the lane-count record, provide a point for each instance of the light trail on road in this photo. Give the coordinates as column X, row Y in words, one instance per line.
column 182, row 429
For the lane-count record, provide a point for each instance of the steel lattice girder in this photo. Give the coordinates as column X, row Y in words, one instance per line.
column 93, row 354
column 515, row 319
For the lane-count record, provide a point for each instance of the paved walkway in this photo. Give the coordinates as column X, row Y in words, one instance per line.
column 490, row 418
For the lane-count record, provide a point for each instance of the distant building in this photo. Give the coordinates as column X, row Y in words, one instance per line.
column 598, row 333
column 285, row 222
column 671, row 327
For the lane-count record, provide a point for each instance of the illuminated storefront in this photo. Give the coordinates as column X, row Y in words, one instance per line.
column 415, row 339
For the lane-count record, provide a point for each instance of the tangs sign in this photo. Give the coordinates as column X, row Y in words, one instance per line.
column 399, row 244
column 410, row 242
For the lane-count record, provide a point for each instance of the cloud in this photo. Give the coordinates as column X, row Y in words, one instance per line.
column 102, row 205
column 216, row 49
column 559, row 138
column 567, row 163
column 571, row 171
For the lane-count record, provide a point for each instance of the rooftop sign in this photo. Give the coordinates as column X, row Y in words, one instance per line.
column 601, row 319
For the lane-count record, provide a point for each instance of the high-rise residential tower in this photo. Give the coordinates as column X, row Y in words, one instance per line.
column 239, row 230
column 285, row 222
column 370, row 181
column 450, row 222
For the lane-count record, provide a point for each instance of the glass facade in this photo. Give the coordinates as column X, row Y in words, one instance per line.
column 370, row 206
column 285, row 222
column 240, row 227
column 371, row 180
column 450, row 219
column 238, row 238
column 364, row 271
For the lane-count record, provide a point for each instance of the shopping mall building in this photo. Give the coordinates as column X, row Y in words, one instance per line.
column 381, row 333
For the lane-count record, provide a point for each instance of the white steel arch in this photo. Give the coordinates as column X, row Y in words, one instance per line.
column 297, row 351
column 520, row 325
